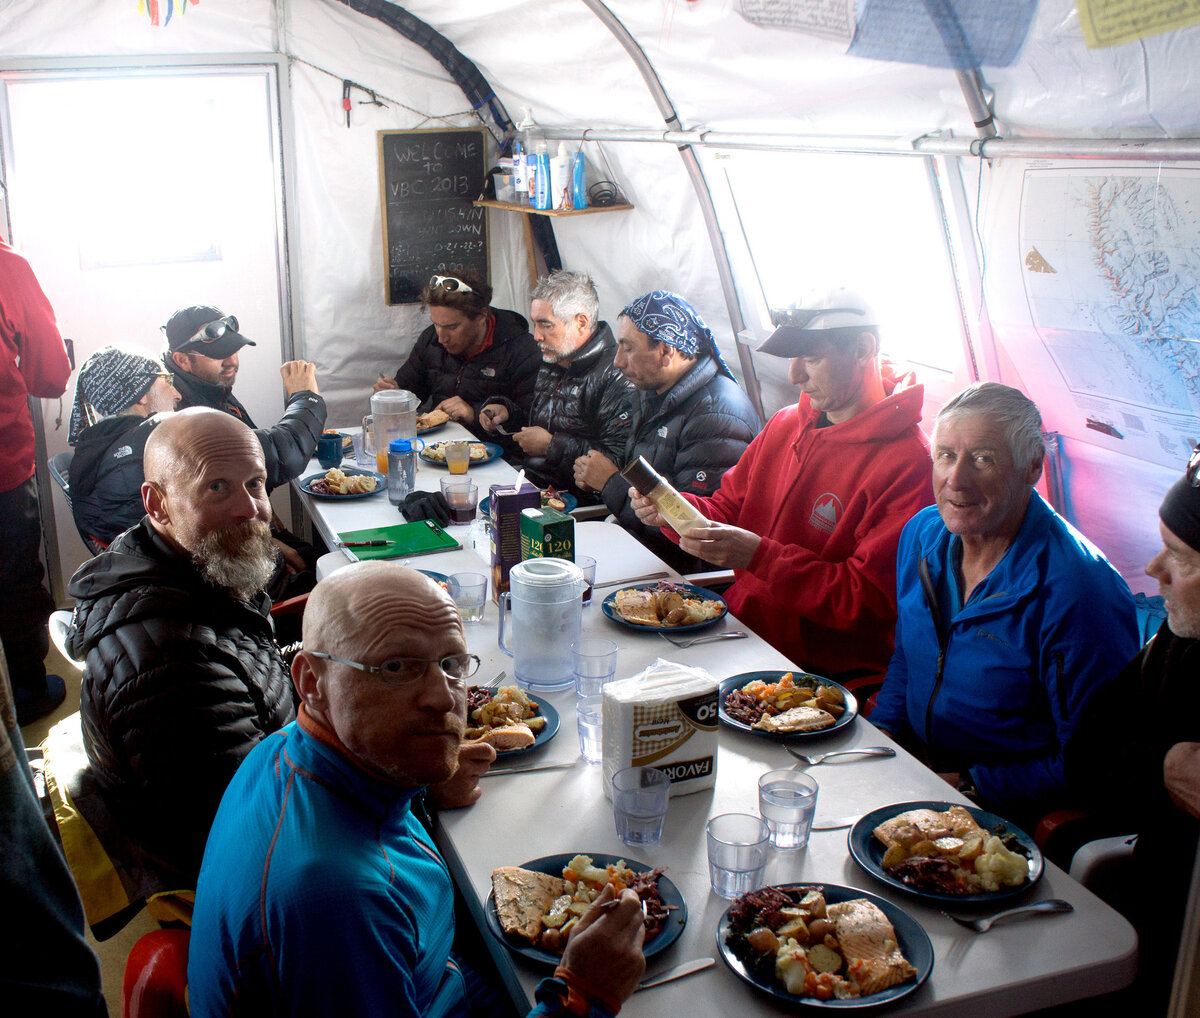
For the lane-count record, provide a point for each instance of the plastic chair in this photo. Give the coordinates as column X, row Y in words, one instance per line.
column 60, row 470
column 155, row 984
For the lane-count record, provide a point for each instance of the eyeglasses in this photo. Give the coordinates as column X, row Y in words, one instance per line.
column 449, row 283
column 167, row 376
column 213, row 331
column 400, row 671
column 1193, row 468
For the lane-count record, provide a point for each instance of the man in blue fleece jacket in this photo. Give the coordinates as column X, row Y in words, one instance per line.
column 1009, row 618
column 321, row 893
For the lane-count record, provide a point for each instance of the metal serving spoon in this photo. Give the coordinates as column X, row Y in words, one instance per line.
column 984, row 924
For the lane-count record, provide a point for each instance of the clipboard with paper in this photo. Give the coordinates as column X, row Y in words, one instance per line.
column 423, row 537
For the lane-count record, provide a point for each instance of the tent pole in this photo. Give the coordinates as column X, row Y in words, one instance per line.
column 692, row 164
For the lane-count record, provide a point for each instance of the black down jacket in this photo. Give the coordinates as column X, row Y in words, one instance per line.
column 585, row 403
column 691, row 435
column 106, row 470
column 180, row 681
column 509, row 366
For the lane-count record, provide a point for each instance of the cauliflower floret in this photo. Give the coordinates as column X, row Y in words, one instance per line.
column 998, row 867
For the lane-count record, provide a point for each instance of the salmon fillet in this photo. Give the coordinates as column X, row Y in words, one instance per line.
column 955, row 822
column 868, row 943
column 522, row 898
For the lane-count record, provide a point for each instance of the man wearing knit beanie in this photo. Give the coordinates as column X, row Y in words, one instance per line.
column 1134, row 757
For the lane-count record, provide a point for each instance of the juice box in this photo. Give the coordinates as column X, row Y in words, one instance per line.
column 506, row 503
column 547, row 533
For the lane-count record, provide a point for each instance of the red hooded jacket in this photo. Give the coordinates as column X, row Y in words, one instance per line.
column 829, row 504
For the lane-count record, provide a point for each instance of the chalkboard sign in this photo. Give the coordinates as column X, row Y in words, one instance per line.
column 429, row 179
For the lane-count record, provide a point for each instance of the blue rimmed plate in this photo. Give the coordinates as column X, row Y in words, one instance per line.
column 571, row 502
column 548, row 731
column 910, row 935
column 494, row 452
column 609, row 607
column 380, row 484
column 554, row 864
column 774, row 675
column 867, row 851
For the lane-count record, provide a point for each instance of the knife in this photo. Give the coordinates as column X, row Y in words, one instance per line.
column 632, row 579
column 678, row 972
column 524, row 770
column 836, row 825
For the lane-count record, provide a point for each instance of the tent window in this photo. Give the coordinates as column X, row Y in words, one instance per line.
column 864, row 221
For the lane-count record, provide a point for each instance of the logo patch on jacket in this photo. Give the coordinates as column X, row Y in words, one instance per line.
column 121, row 453
column 488, row 372
column 826, row 512
column 663, row 431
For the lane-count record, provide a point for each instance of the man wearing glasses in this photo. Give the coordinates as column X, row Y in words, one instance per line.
column 320, row 891
column 469, row 352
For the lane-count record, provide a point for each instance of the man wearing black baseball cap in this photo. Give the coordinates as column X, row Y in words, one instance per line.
column 202, row 352
column 809, row 518
column 1134, row 757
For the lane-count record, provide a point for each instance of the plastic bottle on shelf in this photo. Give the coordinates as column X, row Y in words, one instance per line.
column 673, row 507
column 533, row 141
column 560, row 178
column 541, row 181
column 520, row 174
column 578, row 182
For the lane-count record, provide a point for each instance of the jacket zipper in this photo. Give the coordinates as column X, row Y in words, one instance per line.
column 931, row 601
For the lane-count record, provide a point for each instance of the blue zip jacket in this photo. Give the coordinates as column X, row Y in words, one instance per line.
column 1048, row 625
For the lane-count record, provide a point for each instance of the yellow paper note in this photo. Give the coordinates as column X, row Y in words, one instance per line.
column 1112, row 22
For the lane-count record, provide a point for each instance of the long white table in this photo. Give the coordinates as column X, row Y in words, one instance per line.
column 1014, row 969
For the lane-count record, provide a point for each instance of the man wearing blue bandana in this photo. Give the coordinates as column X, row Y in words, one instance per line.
column 691, row 421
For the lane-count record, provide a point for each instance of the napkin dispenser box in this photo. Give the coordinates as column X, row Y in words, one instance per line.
column 665, row 717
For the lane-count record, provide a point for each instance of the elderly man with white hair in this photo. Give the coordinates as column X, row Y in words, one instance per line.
column 581, row 400
column 1009, row 618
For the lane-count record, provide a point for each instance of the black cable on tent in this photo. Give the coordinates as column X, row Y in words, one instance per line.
column 473, row 84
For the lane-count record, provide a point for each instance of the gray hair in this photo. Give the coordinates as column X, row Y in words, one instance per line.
column 569, row 294
column 1017, row 413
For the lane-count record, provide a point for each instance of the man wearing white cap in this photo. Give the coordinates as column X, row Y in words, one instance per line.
column 810, row 517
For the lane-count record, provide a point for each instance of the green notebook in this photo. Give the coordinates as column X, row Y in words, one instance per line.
column 420, row 538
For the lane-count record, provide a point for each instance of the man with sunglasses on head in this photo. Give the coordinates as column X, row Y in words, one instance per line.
column 202, row 352
column 469, row 352
column 320, row 892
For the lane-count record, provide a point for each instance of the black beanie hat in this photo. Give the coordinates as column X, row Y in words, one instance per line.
column 1180, row 511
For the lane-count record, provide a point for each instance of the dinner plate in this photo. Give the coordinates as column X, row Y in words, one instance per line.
column 493, row 452
column 436, row 577
column 609, row 607
column 910, row 935
column 431, row 430
column 380, row 484
column 868, row 851
column 549, row 730
column 485, row 503
column 737, row 681
column 553, row 864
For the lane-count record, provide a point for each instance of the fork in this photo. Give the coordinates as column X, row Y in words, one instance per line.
column 984, row 924
column 815, row 758
column 736, row 634
column 495, row 682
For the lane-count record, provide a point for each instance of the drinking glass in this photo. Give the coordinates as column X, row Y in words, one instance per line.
column 462, row 496
column 595, row 662
column 589, row 717
column 737, row 852
column 458, row 457
column 588, row 565
column 469, row 591
column 640, row 797
column 787, row 800
column 329, row 450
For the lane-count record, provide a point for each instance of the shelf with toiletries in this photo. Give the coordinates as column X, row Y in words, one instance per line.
column 514, row 207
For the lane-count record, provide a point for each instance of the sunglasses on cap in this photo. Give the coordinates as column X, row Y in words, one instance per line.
column 167, row 375
column 1193, row 468
column 449, row 283
column 213, row 331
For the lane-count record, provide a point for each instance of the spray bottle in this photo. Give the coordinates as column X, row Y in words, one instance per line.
column 578, row 182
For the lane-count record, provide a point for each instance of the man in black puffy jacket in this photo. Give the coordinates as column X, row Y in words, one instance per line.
column 469, row 352
column 181, row 672
column 691, row 420
column 582, row 401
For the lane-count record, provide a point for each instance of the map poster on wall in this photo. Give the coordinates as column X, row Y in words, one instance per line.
column 428, row 180
column 1110, row 257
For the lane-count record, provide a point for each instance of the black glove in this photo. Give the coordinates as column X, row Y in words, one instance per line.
column 426, row 505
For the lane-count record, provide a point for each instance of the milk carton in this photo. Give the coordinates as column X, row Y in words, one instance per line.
column 665, row 717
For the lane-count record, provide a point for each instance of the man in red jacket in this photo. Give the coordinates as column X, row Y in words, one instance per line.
column 33, row 362
column 810, row 517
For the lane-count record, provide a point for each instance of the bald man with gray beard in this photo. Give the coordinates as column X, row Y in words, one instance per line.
column 182, row 676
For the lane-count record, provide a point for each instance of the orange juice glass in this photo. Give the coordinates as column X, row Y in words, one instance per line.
column 458, row 457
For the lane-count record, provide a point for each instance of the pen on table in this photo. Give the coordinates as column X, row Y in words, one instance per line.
column 367, row 544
